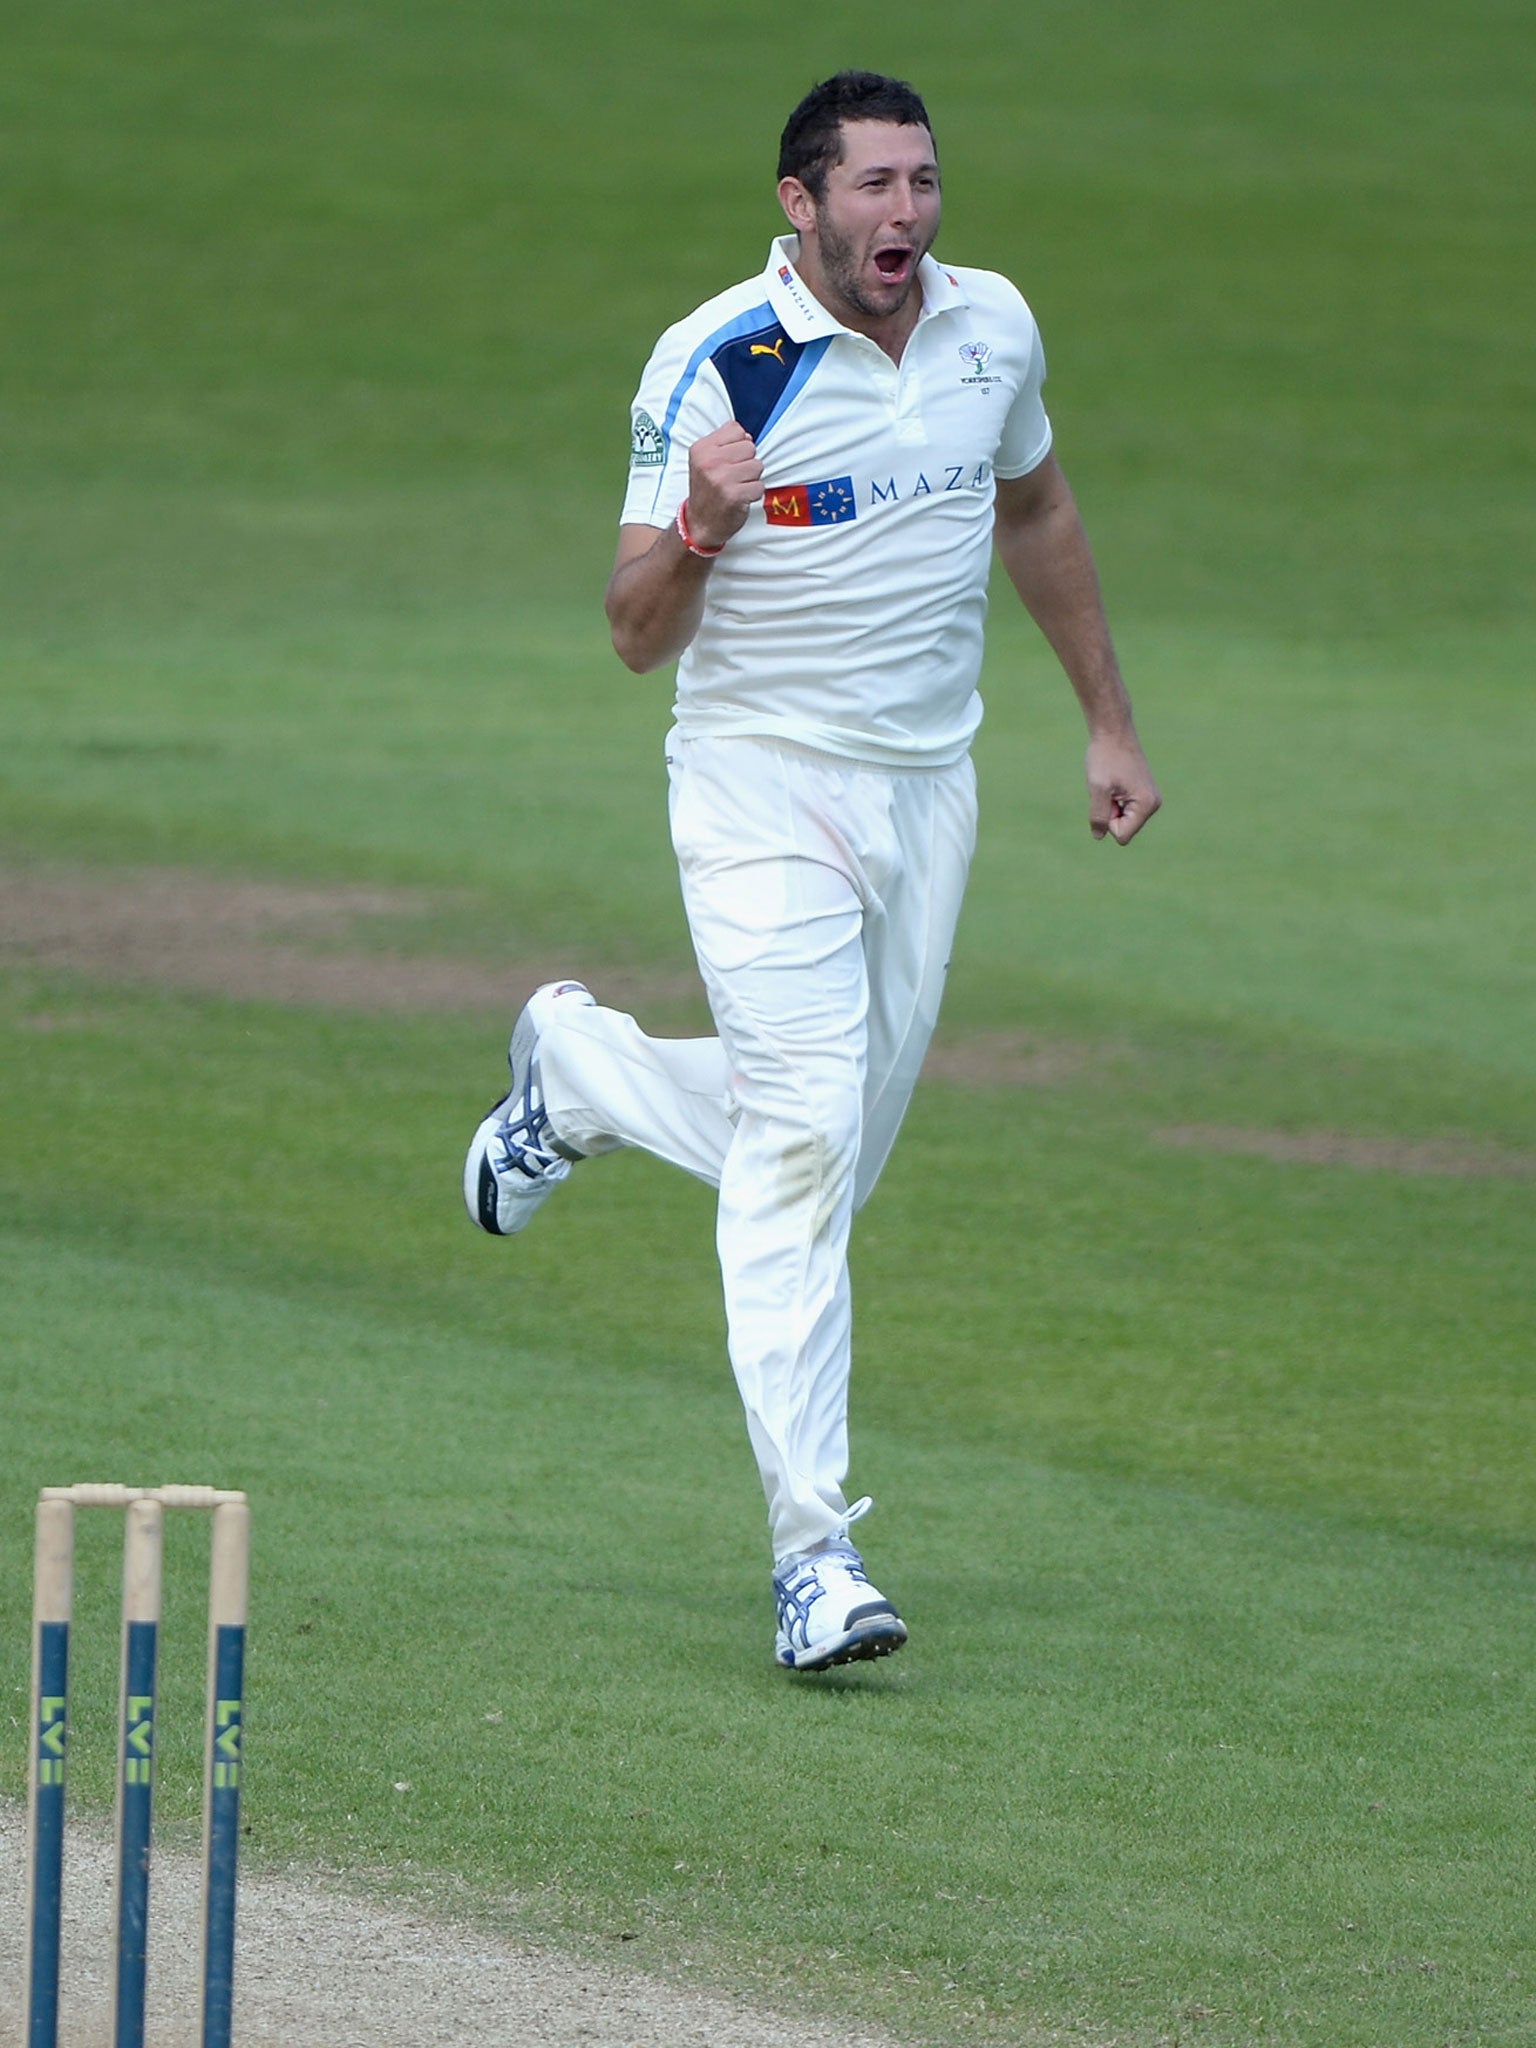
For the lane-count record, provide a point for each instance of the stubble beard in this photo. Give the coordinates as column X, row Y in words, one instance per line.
column 840, row 267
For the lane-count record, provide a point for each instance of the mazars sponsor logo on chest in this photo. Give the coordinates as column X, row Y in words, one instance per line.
column 827, row 503
column 836, row 500
column 937, row 480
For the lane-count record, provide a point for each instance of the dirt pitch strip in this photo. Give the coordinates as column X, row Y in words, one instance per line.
column 317, row 1967
column 291, row 943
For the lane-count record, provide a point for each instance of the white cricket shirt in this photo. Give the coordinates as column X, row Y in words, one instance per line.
column 847, row 613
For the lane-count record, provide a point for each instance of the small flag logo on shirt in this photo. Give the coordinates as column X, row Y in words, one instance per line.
column 825, row 504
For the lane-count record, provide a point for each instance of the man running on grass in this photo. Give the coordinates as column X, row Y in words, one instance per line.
column 822, row 460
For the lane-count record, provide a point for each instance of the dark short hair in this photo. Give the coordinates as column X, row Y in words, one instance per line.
column 812, row 141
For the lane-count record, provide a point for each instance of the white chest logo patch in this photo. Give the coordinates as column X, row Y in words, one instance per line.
column 977, row 355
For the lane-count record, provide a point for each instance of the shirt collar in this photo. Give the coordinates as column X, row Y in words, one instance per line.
column 803, row 316
column 942, row 290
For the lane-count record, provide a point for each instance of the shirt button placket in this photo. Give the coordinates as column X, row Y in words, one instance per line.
column 909, row 399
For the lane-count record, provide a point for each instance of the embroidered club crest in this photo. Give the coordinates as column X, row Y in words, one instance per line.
column 977, row 354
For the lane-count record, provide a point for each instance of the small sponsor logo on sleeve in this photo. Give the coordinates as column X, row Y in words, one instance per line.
column 647, row 448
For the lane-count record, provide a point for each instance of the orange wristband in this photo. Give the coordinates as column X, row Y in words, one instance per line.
column 687, row 538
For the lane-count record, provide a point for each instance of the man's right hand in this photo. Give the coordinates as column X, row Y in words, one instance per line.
column 725, row 480
column 655, row 597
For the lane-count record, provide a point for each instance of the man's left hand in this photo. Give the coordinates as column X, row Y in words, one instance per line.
column 1121, row 792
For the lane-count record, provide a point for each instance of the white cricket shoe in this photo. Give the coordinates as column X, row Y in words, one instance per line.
column 829, row 1613
column 515, row 1161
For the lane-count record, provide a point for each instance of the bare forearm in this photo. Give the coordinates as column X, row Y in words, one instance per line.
column 655, row 602
column 655, row 598
column 1050, row 565
column 1041, row 542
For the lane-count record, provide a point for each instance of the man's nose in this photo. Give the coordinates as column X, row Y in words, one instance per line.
column 903, row 210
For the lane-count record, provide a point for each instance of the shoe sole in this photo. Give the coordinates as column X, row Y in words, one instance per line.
column 482, row 1197
column 481, row 1194
column 875, row 1639
column 525, row 1036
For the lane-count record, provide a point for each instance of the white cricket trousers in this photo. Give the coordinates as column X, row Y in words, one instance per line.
column 822, row 896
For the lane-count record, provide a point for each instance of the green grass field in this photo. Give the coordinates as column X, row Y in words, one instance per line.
column 1195, row 1372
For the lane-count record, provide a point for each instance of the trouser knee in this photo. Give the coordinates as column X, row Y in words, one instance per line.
column 810, row 1137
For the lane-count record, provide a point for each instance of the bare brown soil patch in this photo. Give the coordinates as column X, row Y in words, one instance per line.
column 1003, row 1059
column 1464, row 1157
column 316, row 1967
column 271, row 942
column 305, row 946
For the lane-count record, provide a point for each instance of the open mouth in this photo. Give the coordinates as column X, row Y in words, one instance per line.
column 894, row 264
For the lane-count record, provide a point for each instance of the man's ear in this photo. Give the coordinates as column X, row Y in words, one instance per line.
column 799, row 207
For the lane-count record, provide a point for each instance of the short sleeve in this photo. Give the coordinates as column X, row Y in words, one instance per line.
column 1026, row 436
column 680, row 398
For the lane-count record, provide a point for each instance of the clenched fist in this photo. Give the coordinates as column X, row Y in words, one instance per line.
column 725, row 480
